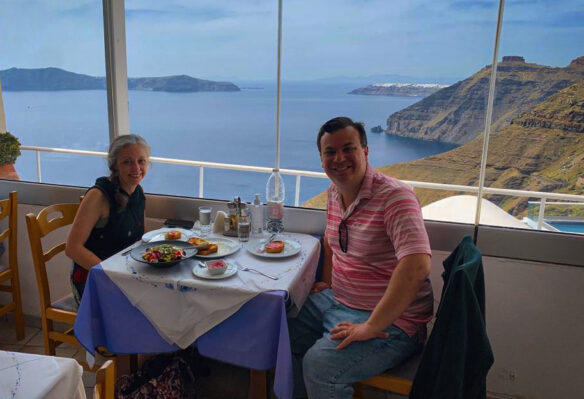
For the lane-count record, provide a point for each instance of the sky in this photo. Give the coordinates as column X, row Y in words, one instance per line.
column 237, row 39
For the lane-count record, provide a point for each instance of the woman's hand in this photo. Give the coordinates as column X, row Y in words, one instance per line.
column 319, row 286
column 350, row 332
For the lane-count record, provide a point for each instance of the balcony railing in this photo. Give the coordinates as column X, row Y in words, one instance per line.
column 543, row 197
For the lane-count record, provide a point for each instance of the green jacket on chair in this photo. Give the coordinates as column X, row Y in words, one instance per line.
column 458, row 355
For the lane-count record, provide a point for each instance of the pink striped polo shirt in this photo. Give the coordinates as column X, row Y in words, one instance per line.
column 384, row 224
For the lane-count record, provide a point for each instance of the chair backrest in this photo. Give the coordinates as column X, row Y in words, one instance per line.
column 48, row 220
column 458, row 354
column 9, row 208
column 105, row 378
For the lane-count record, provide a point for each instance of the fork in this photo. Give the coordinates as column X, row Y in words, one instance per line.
column 127, row 252
column 249, row 269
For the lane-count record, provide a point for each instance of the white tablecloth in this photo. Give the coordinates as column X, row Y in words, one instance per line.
column 27, row 376
column 182, row 307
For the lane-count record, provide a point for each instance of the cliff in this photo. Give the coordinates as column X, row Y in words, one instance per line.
column 399, row 89
column 540, row 150
column 52, row 79
column 457, row 113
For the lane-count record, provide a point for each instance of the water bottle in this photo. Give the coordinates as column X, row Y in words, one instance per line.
column 275, row 198
column 257, row 216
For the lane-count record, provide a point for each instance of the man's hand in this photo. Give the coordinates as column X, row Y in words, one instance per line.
column 350, row 332
column 319, row 286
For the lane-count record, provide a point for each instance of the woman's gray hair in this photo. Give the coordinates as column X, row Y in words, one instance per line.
column 119, row 143
column 121, row 198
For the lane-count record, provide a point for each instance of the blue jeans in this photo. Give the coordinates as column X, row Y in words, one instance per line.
column 322, row 371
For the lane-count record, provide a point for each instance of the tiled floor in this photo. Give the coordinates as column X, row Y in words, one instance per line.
column 218, row 380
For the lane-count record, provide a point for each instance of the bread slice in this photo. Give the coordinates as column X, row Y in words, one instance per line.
column 204, row 247
column 198, row 241
column 211, row 248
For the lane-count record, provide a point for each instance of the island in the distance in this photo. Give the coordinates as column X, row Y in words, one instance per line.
column 399, row 89
column 53, row 79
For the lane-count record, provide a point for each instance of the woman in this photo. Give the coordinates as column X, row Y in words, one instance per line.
column 111, row 215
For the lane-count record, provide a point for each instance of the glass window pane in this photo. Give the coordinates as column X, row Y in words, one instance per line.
column 413, row 72
column 537, row 141
column 52, row 73
column 229, row 117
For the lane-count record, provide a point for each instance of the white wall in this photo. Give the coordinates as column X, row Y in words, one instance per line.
column 535, row 326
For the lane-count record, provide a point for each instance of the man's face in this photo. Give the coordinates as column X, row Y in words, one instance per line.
column 343, row 158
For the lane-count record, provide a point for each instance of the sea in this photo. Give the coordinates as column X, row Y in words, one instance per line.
column 225, row 127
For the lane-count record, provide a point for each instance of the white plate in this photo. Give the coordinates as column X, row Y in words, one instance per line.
column 290, row 248
column 158, row 235
column 225, row 247
column 203, row 272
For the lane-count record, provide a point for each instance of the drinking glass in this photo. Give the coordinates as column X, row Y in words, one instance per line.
column 205, row 220
column 243, row 230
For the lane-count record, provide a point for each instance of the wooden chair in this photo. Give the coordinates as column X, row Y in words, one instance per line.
column 105, row 380
column 9, row 273
column 65, row 309
column 397, row 380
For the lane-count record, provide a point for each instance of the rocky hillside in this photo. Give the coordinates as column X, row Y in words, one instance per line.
column 50, row 79
column 399, row 89
column 456, row 114
column 41, row 79
column 180, row 83
column 540, row 150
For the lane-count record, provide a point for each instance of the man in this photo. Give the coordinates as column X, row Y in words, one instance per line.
column 370, row 311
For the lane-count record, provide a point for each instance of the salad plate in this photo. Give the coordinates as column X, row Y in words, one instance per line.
column 203, row 272
column 256, row 247
column 158, row 234
column 140, row 253
column 225, row 247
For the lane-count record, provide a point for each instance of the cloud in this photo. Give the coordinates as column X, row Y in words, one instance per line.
column 474, row 4
column 212, row 39
column 177, row 14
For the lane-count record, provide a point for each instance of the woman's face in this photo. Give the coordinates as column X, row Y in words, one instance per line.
column 131, row 165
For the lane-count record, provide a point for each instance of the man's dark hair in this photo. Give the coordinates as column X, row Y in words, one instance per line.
column 338, row 123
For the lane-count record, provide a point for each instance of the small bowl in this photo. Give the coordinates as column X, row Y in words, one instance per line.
column 216, row 267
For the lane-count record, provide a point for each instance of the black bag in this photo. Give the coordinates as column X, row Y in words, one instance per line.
column 168, row 376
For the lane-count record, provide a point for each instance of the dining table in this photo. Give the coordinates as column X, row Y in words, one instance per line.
column 32, row 376
column 240, row 317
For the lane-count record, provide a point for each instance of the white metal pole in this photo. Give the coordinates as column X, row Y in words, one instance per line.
column 489, row 115
column 201, row 181
column 278, row 84
column 114, row 30
column 541, row 214
column 38, row 167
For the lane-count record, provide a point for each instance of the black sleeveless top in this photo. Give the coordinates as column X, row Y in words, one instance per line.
column 122, row 228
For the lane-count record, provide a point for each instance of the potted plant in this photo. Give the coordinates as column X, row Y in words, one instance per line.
column 9, row 151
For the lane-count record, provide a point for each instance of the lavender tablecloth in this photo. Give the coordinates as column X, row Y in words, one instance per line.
column 255, row 337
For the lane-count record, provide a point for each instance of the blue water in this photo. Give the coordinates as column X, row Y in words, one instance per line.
column 572, row 227
column 218, row 127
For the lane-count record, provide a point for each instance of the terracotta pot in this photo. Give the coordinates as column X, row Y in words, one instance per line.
column 7, row 172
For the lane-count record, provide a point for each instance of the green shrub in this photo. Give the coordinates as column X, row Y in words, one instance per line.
column 9, row 148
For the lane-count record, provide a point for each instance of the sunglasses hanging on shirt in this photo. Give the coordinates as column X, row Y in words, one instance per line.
column 343, row 236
